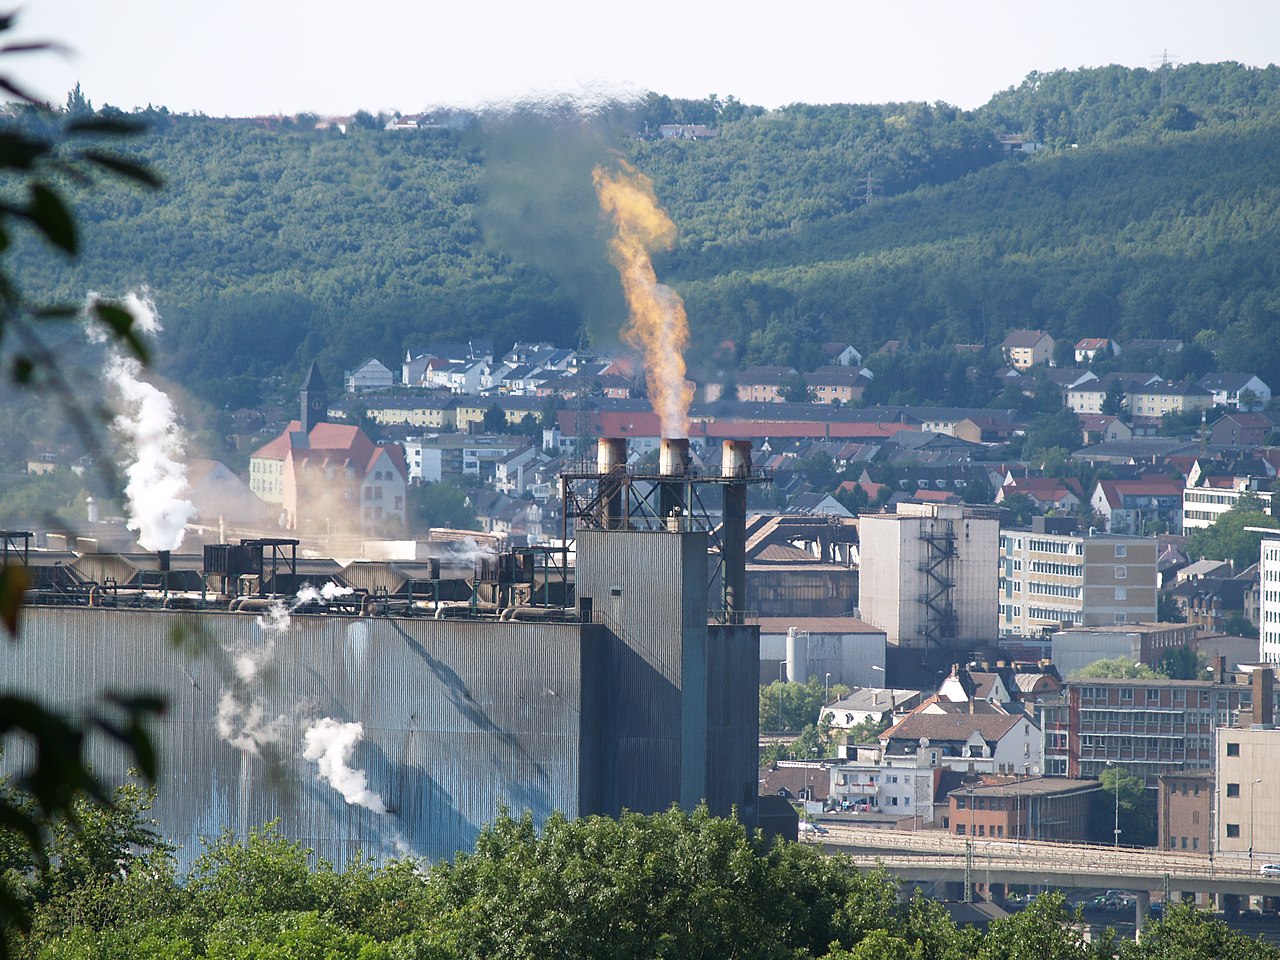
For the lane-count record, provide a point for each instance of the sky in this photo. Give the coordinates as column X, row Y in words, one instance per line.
column 254, row 57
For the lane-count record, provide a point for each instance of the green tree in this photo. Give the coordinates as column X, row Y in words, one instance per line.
column 1021, row 509
column 1180, row 663
column 796, row 390
column 1116, row 668
column 790, row 707
column 1043, row 931
column 1057, row 428
column 1185, row 933
column 1113, row 401
column 495, row 420
column 440, row 505
column 1228, row 537
column 1137, row 808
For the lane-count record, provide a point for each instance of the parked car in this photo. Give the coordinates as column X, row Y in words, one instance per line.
column 1270, row 870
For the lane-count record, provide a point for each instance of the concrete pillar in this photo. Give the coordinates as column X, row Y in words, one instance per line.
column 1231, row 905
column 1144, row 905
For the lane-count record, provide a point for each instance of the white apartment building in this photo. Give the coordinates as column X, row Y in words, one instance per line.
column 1051, row 576
column 1205, row 499
column 1269, row 598
column 928, row 575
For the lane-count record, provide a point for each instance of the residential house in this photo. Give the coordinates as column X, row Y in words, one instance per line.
column 842, row 354
column 1212, row 602
column 370, row 375
column 1047, row 493
column 1247, row 430
column 973, row 737
column 1099, row 428
column 1243, row 391
column 328, row 477
column 1088, row 395
column 763, row 384
column 514, row 473
column 1155, row 400
column 432, row 412
column 1024, row 349
column 415, row 365
column 837, row 384
column 1090, row 347
column 1129, row 506
column 861, row 704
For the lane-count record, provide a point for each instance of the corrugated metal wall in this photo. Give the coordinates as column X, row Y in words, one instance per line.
column 680, row 722
column 458, row 718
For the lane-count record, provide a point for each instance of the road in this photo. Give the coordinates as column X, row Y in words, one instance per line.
column 933, row 855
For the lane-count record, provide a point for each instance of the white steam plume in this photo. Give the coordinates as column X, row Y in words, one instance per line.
column 241, row 718
column 330, row 744
column 147, row 428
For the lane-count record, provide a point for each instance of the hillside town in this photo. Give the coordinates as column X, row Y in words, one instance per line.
column 985, row 637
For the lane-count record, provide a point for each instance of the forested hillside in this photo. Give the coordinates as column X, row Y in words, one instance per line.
column 1152, row 211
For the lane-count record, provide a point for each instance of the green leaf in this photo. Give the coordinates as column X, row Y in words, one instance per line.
column 124, row 168
column 23, row 370
column 13, row 587
column 48, row 212
column 120, row 322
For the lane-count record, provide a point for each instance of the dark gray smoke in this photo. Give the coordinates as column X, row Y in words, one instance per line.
column 538, row 202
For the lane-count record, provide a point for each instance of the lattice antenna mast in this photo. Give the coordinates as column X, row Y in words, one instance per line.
column 1166, row 63
column 871, row 183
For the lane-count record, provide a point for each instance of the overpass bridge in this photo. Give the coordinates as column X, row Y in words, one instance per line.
column 933, row 856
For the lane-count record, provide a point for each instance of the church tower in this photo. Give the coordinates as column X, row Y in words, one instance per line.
column 315, row 400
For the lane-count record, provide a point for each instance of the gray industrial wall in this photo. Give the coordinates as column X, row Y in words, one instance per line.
column 459, row 717
column 682, row 697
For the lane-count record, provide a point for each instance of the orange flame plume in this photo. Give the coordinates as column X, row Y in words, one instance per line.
column 657, row 323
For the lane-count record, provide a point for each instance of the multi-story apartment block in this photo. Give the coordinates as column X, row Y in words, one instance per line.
column 1206, row 498
column 928, row 575
column 1148, row 727
column 1269, row 598
column 1051, row 576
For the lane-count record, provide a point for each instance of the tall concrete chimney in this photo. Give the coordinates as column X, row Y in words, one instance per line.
column 735, row 462
column 1264, row 703
column 611, row 461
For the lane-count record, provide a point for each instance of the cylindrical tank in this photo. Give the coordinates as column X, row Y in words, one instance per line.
column 673, row 457
column 797, row 656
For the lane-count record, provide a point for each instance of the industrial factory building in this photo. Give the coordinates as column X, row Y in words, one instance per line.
column 621, row 684
column 928, row 576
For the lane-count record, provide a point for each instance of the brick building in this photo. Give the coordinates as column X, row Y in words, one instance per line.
column 1036, row 808
column 1149, row 727
column 1183, row 805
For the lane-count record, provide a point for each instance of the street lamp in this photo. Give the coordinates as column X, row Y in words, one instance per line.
column 826, row 687
column 893, row 707
column 1115, row 782
column 1251, row 790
